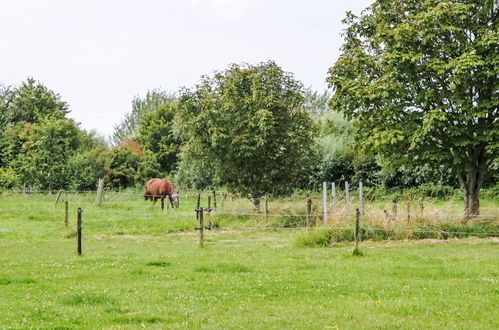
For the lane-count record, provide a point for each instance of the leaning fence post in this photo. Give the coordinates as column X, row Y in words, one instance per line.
column 78, row 230
column 66, row 213
column 324, row 191
column 309, row 211
column 357, row 228
column 58, row 197
column 100, row 187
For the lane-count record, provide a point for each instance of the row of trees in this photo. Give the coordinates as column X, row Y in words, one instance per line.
column 414, row 99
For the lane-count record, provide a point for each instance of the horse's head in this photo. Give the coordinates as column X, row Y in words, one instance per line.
column 175, row 198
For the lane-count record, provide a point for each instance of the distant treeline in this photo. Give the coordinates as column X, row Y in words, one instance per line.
column 42, row 148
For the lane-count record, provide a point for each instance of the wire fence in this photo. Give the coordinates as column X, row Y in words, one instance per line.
column 138, row 214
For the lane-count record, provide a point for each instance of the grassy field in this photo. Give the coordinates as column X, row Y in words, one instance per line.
column 143, row 268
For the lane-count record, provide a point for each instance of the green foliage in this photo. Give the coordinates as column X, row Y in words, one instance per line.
column 122, row 168
column 149, row 167
column 420, row 80
column 31, row 102
column 87, row 167
column 314, row 238
column 248, row 123
column 12, row 139
column 8, row 178
column 128, row 127
column 42, row 160
column 125, row 168
column 194, row 172
column 156, row 135
column 491, row 192
column 316, row 103
column 357, row 252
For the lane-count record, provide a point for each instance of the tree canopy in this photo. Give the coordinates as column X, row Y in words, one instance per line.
column 248, row 122
column 128, row 127
column 155, row 133
column 420, row 78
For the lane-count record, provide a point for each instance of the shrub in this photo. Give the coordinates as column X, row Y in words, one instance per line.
column 8, row 178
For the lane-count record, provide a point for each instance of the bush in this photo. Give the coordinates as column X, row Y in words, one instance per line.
column 8, row 178
column 87, row 168
column 434, row 191
column 490, row 193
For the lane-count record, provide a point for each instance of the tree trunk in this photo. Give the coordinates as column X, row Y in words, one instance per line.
column 256, row 202
column 470, row 184
column 471, row 204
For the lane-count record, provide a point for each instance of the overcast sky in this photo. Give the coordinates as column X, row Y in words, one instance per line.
column 98, row 54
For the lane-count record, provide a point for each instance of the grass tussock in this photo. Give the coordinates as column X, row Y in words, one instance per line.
column 159, row 263
column 86, row 299
column 357, row 252
column 223, row 268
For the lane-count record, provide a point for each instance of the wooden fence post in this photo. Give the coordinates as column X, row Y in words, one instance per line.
column 394, row 209
column 266, row 207
column 408, row 211
column 201, row 227
column 66, row 209
column 361, row 198
column 209, row 209
column 214, row 199
column 357, row 228
column 309, row 211
column 58, row 197
column 347, row 198
column 78, row 230
column 324, row 193
column 100, row 187
column 333, row 196
column 197, row 206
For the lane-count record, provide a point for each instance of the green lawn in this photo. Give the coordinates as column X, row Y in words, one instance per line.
column 136, row 271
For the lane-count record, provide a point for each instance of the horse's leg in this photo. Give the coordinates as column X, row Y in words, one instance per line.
column 162, row 203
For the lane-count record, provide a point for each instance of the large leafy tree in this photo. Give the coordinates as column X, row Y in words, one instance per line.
column 248, row 122
column 31, row 102
column 421, row 80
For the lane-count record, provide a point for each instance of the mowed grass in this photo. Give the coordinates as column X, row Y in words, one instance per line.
column 148, row 271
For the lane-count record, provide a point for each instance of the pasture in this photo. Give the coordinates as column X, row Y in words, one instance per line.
column 143, row 268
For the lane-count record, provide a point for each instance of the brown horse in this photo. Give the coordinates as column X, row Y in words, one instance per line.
column 160, row 189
